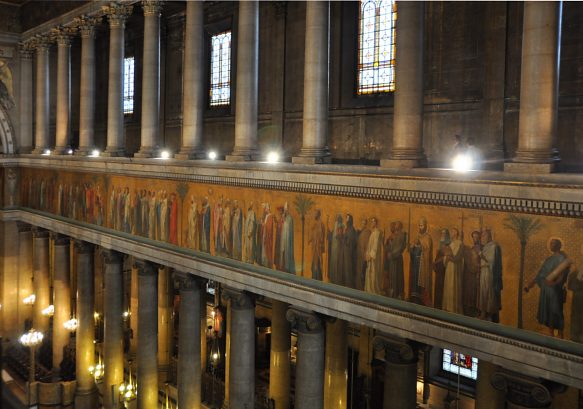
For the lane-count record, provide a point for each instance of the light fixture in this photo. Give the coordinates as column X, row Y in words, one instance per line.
column 31, row 339
column 212, row 155
column 71, row 325
column 128, row 390
column 462, row 163
column 96, row 316
column 29, row 300
column 98, row 370
column 94, row 153
column 126, row 314
column 165, row 154
column 46, row 152
column 69, row 151
column 273, row 157
column 49, row 311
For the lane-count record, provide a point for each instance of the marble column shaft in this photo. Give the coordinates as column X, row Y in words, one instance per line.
column 150, row 129
column 63, row 36
column 487, row 397
column 189, row 350
column 279, row 363
column 310, row 359
column 113, row 359
column 62, row 298
column 193, row 83
column 539, row 84
column 41, row 279
column 147, row 362
column 25, row 285
column 87, row 101
column 164, row 321
column 247, row 83
column 134, row 309
column 26, row 102
column 116, row 15
column 41, row 133
column 407, row 150
column 242, row 351
column 86, row 392
column 316, row 82
column 336, row 372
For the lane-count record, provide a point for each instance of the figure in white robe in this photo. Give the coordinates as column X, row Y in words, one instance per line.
column 454, row 268
column 374, row 260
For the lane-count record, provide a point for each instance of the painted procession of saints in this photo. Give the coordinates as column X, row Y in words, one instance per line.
column 512, row 269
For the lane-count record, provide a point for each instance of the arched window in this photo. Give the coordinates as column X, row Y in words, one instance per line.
column 376, row 46
column 128, row 85
column 220, row 84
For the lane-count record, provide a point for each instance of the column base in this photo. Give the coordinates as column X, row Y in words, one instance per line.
column 146, row 152
column 243, row 156
column 86, row 399
column 83, row 151
column 403, row 163
column 113, row 152
column 25, row 150
column 190, row 154
column 311, row 160
column 40, row 151
column 536, row 168
column 60, row 150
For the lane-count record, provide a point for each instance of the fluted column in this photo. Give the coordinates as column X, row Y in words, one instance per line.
column 407, row 150
column 86, row 26
column 242, row 349
column 86, row 392
column 113, row 360
column 523, row 392
column 400, row 372
column 41, row 130
column 316, row 71
column 279, row 362
column 164, row 321
column 193, row 84
column 148, row 335
column 62, row 298
column 189, row 350
column 539, row 88
column 247, row 83
column 310, row 359
column 336, row 371
column 63, row 37
column 150, row 131
column 487, row 397
column 25, row 286
column 116, row 15
column 41, row 278
column 25, row 120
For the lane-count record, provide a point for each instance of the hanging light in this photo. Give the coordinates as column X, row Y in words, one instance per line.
column 71, row 325
column 126, row 315
column 128, row 390
column 98, row 370
column 29, row 300
column 215, row 352
column 49, row 311
column 32, row 338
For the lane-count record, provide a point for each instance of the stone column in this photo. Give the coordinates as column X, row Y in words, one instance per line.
column 522, row 392
column 63, row 37
column 151, row 80
column 336, row 372
column 487, row 397
column 134, row 311
column 193, row 84
column 247, row 83
column 310, row 359
column 317, row 49
column 539, row 88
column 242, row 351
column 116, row 15
column 189, row 350
column 147, row 362
column 279, row 363
column 86, row 26
column 164, row 321
column 400, row 372
column 407, row 150
column 86, row 392
column 62, row 298
column 113, row 359
column 41, row 278
column 25, row 120
column 25, row 287
column 41, row 130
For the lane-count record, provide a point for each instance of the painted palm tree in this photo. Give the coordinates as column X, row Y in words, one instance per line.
column 524, row 227
column 303, row 205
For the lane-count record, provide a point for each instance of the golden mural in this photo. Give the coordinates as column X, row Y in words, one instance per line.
column 511, row 268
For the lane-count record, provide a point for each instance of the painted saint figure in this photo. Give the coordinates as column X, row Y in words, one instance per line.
column 394, row 248
column 236, row 230
column 490, row 295
column 335, row 251
column 317, row 243
column 439, row 267
column 374, row 260
column 361, row 245
column 192, row 233
column 286, row 249
column 471, row 274
column 205, row 230
column 349, row 242
column 267, row 237
column 421, row 267
column 454, row 267
column 249, row 239
column 575, row 284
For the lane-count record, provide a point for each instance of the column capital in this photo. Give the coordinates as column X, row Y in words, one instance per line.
column 187, row 281
column 525, row 391
column 145, row 267
column 397, row 350
column 152, row 7
column 117, row 13
column 23, row 227
column 26, row 49
column 40, row 42
column 239, row 299
column 39, row 233
column 61, row 240
column 304, row 320
column 84, row 247
column 86, row 25
column 63, row 35
column 112, row 257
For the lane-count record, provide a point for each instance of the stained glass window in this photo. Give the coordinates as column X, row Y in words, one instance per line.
column 376, row 46
column 220, row 84
column 128, row 85
column 457, row 363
